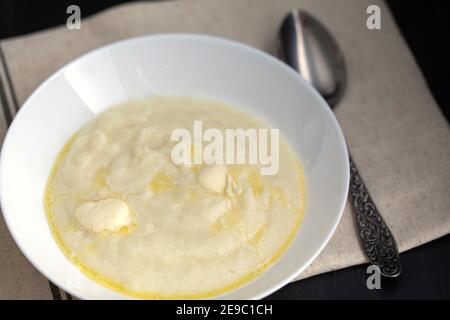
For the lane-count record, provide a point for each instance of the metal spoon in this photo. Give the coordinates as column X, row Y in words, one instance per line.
column 308, row 47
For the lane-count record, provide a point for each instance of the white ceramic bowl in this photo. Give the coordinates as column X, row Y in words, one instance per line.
column 176, row 64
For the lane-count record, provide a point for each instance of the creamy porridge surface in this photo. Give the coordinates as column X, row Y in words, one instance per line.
column 131, row 219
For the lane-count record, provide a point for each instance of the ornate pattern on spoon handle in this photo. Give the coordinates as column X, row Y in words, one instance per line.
column 376, row 238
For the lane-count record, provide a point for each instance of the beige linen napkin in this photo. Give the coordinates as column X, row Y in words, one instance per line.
column 397, row 135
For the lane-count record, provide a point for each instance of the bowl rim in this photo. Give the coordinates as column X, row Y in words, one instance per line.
column 184, row 36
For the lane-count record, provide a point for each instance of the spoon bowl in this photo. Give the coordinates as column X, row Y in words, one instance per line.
column 308, row 47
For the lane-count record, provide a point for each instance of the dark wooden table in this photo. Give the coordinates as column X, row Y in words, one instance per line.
column 426, row 275
column 424, row 25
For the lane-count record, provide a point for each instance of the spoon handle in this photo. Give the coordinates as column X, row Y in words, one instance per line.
column 377, row 240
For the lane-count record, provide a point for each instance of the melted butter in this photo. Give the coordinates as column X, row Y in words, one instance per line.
column 217, row 226
column 235, row 170
column 257, row 237
column 161, row 183
column 256, row 183
column 231, row 218
column 196, row 168
column 100, row 180
column 192, row 196
column 276, row 194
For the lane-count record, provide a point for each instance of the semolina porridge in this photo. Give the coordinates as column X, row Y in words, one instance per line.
column 131, row 219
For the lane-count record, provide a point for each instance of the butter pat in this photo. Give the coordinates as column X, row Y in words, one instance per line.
column 213, row 178
column 103, row 215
